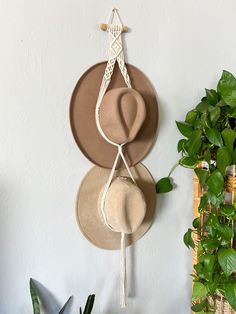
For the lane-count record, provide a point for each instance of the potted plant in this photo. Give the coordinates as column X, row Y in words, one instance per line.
column 36, row 305
column 209, row 132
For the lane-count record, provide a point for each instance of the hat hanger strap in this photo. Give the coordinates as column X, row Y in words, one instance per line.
column 123, row 283
column 115, row 54
column 115, row 44
column 112, row 15
column 107, row 185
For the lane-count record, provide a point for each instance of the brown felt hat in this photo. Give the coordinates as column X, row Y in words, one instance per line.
column 125, row 114
column 129, row 208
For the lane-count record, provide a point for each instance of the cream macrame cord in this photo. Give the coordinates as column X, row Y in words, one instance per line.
column 116, row 54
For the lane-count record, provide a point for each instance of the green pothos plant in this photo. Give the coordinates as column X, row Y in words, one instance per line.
column 209, row 132
column 36, row 305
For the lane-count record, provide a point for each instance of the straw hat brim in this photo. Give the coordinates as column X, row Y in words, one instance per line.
column 87, row 209
column 82, row 116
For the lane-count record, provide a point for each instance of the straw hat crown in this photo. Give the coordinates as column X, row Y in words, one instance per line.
column 125, row 205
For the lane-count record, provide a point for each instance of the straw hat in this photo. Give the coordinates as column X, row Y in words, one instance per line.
column 129, row 208
column 125, row 113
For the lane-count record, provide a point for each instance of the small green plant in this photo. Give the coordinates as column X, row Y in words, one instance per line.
column 209, row 132
column 36, row 306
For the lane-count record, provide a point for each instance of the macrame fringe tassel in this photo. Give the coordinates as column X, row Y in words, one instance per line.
column 123, row 272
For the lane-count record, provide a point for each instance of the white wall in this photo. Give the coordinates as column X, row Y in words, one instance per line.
column 182, row 46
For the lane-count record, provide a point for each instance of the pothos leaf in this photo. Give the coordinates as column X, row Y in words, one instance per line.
column 196, row 222
column 207, row 157
column 202, row 175
column 215, row 200
column 223, row 159
column 212, row 285
column 208, row 261
column 212, row 96
column 229, row 137
column 227, row 260
column 225, row 232
column 210, row 244
column 191, row 116
column 199, row 291
column 213, row 221
column 227, row 210
column 184, row 128
column 194, row 143
column 215, row 182
column 198, row 307
column 188, row 239
column 214, row 137
column 188, row 162
column 227, row 83
column 214, row 114
column 203, row 106
column 230, row 294
column 205, row 122
column 227, row 88
column 203, row 202
column 180, row 145
column 164, row 185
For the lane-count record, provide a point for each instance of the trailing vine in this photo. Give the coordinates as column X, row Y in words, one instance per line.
column 209, row 132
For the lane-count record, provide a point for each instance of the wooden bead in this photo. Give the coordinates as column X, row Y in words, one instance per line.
column 104, row 26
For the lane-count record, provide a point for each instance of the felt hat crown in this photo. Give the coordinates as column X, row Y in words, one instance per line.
column 122, row 114
column 125, row 205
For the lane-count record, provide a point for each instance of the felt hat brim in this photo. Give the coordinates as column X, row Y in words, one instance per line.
column 82, row 116
column 87, row 206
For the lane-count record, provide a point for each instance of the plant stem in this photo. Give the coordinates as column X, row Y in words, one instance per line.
column 172, row 169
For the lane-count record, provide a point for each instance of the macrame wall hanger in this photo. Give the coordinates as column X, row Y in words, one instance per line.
column 106, row 122
column 116, row 54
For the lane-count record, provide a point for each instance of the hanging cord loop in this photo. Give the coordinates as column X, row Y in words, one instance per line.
column 116, row 54
column 123, row 285
column 105, row 26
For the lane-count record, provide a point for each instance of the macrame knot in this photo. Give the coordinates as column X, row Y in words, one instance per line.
column 120, row 148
